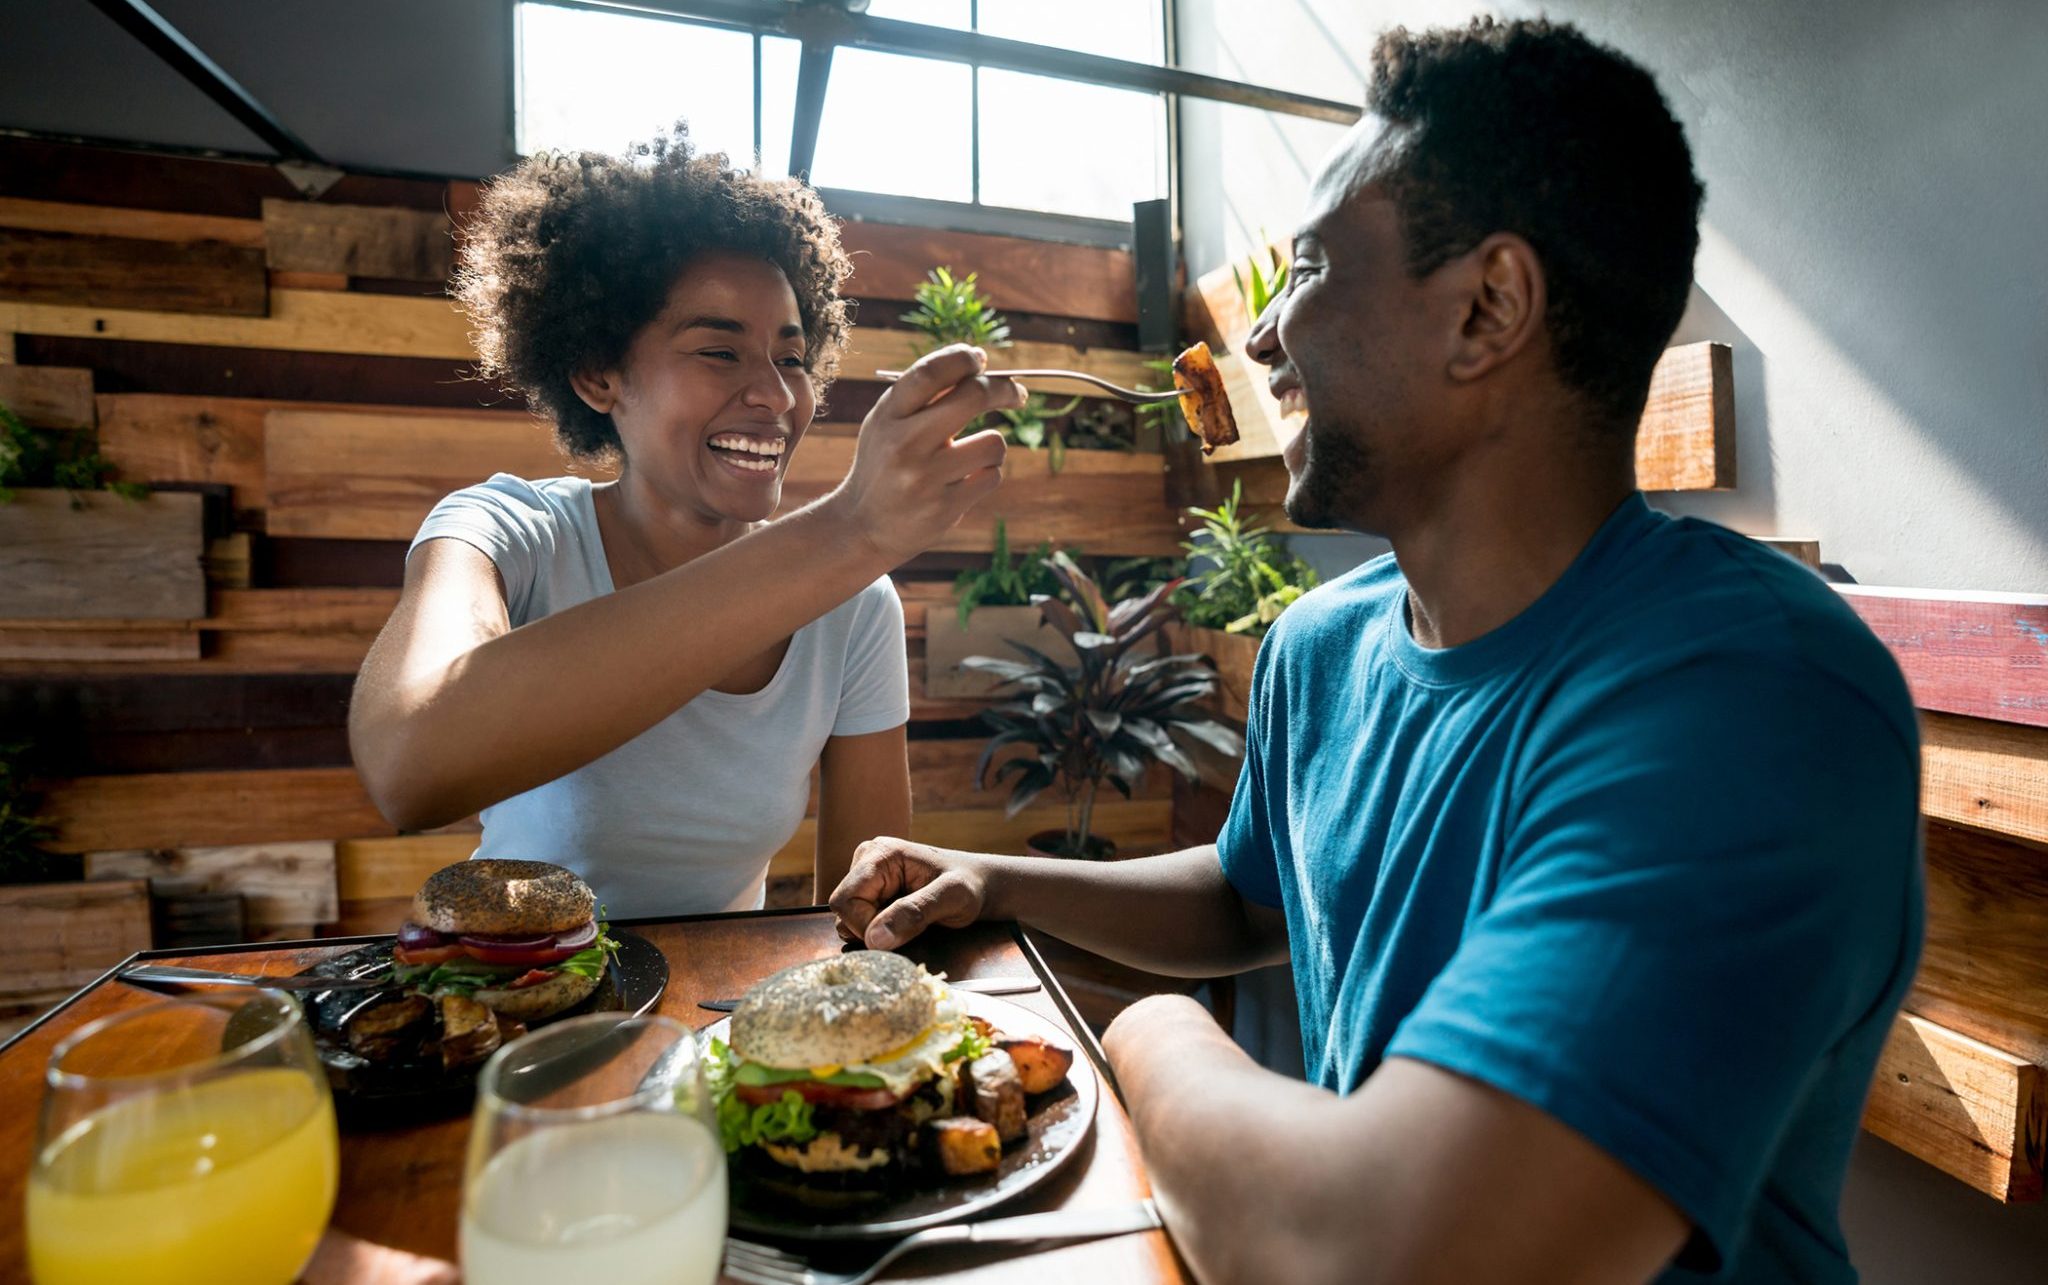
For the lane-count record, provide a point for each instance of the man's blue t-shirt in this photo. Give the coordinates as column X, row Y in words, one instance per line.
column 1645, row 857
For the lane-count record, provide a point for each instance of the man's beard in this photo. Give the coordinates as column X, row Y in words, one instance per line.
column 1335, row 478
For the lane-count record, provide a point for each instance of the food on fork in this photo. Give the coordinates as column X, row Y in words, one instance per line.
column 1203, row 399
column 849, row 1077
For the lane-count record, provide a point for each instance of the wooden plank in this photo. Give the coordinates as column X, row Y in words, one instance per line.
column 350, row 475
column 1014, row 274
column 58, row 397
column 1138, row 824
column 118, row 645
column 1686, row 439
column 1986, row 774
column 308, row 280
column 281, row 884
column 1984, row 966
column 396, row 325
column 204, row 277
column 1972, row 1111
column 140, row 225
column 1981, row 654
column 371, row 869
column 1804, row 552
column 94, row 555
column 1233, row 655
column 357, row 240
column 62, row 935
column 185, row 810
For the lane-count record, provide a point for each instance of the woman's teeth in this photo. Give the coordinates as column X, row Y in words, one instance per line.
column 750, row 454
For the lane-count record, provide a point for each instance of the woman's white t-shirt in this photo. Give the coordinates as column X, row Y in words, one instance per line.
column 683, row 818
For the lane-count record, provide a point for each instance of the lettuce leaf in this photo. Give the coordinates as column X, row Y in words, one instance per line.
column 972, row 1044
column 591, row 962
column 753, row 1073
column 453, row 976
column 739, row 1125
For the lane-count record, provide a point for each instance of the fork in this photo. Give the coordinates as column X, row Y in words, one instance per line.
column 759, row 1264
column 1135, row 396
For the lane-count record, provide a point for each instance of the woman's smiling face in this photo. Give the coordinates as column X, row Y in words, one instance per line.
column 714, row 393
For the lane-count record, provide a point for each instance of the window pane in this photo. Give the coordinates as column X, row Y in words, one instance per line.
column 932, row 13
column 1069, row 148
column 1129, row 29
column 599, row 81
column 896, row 124
column 779, row 56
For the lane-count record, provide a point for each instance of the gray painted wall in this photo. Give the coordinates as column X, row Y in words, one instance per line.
column 1873, row 248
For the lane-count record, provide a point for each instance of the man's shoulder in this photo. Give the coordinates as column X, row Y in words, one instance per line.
column 1695, row 595
column 1365, row 592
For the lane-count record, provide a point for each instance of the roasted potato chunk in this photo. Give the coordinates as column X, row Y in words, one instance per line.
column 385, row 1030
column 965, row 1145
column 469, row 1031
column 984, row 1026
column 1203, row 399
column 994, row 1093
column 1041, row 1064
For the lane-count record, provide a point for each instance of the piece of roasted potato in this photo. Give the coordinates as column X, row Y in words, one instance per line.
column 1041, row 1063
column 965, row 1145
column 1203, row 400
column 385, row 1030
column 983, row 1025
column 469, row 1031
column 994, row 1093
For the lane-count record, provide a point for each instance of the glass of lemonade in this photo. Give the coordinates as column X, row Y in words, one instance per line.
column 594, row 1155
column 185, row 1141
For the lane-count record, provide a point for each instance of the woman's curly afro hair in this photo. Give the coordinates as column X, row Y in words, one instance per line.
column 571, row 254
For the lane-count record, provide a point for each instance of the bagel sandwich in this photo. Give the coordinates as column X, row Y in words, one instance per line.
column 520, row 937
column 832, row 1069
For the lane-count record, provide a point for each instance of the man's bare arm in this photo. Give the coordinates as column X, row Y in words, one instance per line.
column 1420, row 1177
column 1174, row 914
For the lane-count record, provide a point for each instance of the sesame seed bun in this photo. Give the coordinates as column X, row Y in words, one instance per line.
column 503, row 898
column 830, row 1012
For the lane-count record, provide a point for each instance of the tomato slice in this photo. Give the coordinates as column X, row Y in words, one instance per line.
column 819, row 1094
column 426, row 954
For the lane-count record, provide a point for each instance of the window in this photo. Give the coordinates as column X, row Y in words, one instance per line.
column 893, row 124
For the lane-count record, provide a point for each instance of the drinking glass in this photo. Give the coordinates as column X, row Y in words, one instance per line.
column 185, row 1141
column 594, row 1156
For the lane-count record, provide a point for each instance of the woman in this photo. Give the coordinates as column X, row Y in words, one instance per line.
column 634, row 679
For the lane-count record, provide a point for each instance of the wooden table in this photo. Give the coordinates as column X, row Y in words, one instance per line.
column 402, row 1187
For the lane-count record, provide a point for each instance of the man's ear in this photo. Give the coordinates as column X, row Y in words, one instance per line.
column 599, row 389
column 1504, row 306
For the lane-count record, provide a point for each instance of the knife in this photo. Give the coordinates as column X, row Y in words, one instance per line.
column 979, row 985
column 177, row 975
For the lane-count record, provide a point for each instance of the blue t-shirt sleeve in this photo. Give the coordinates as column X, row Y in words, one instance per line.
column 1712, row 880
column 509, row 520
column 1246, row 848
column 874, row 691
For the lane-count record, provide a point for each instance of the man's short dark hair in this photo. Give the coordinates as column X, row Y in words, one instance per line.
column 1531, row 128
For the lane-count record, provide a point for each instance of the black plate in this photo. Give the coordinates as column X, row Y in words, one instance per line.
column 1058, row 1123
column 373, row 1094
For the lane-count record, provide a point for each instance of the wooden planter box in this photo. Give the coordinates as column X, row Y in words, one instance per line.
column 285, row 889
column 92, row 555
column 989, row 632
column 1233, row 655
column 62, row 935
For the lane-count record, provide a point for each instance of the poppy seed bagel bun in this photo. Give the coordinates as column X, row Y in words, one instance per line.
column 541, row 1000
column 831, row 1012
column 503, row 898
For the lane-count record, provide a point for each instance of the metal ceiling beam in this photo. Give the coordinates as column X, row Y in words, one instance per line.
column 168, row 43
column 825, row 22
column 813, row 71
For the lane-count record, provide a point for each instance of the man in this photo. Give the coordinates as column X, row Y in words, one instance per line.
column 1591, row 833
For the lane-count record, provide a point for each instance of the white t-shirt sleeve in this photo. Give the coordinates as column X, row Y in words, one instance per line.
column 510, row 521
column 874, row 693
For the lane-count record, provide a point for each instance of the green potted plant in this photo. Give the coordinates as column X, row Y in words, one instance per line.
column 76, row 545
column 1105, row 717
column 1240, row 578
column 993, row 609
column 952, row 310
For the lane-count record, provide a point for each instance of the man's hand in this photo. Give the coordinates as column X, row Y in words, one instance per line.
column 911, row 481
column 896, row 889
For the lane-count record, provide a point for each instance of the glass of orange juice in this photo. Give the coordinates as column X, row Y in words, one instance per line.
column 185, row 1141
